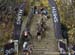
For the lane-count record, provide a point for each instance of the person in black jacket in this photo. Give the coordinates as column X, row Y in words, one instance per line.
column 26, row 36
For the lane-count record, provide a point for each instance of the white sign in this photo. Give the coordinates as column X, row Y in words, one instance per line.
column 54, row 12
column 19, row 16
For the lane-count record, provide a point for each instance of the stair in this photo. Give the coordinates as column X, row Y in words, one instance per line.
column 48, row 44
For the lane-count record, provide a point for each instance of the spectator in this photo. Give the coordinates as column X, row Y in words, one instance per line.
column 35, row 10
